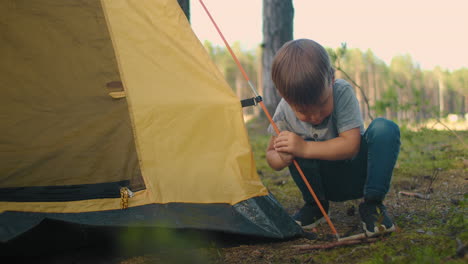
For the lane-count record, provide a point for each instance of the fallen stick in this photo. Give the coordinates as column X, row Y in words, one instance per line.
column 354, row 237
column 335, row 244
column 416, row 195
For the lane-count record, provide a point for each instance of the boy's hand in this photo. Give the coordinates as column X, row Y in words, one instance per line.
column 277, row 160
column 289, row 142
column 286, row 157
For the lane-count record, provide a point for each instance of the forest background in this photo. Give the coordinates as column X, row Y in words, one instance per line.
column 398, row 88
column 401, row 91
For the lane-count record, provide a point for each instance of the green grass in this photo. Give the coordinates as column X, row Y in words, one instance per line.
column 421, row 152
column 429, row 229
column 424, row 151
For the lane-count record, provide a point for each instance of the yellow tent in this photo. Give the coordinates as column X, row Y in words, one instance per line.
column 112, row 109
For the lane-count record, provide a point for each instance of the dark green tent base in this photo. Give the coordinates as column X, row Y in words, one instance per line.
column 259, row 216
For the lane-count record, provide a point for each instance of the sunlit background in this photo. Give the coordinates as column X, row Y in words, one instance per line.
column 432, row 32
column 407, row 60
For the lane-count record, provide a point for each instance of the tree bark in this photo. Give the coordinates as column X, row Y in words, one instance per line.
column 185, row 5
column 278, row 18
column 372, row 89
column 441, row 98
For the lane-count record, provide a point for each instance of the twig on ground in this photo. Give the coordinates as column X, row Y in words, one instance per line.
column 435, row 173
column 334, row 244
column 354, row 237
column 416, row 195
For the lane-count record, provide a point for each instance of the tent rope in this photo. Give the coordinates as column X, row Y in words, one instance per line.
column 275, row 127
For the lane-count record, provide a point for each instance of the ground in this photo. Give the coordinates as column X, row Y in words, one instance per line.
column 433, row 230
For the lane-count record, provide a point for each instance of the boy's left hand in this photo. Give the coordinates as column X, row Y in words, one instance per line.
column 290, row 142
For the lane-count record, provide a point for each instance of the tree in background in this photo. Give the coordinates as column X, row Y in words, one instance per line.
column 185, row 5
column 278, row 16
column 248, row 59
column 401, row 91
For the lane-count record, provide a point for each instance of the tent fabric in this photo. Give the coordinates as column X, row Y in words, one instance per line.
column 260, row 216
column 175, row 93
column 59, row 125
column 99, row 95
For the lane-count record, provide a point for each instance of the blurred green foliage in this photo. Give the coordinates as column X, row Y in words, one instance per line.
column 400, row 91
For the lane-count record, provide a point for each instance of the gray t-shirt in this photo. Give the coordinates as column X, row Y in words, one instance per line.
column 346, row 115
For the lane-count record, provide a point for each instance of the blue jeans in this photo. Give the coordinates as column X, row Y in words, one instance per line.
column 367, row 175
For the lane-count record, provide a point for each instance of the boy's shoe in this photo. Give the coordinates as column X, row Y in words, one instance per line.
column 375, row 219
column 309, row 216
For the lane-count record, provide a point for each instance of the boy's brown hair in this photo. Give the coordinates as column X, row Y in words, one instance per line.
column 301, row 70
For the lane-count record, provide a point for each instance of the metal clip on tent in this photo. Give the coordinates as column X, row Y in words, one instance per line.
column 275, row 127
column 251, row 101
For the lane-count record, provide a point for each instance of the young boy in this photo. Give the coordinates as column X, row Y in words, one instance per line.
column 322, row 128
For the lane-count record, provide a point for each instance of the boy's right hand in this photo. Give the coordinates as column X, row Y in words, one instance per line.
column 286, row 157
column 277, row 160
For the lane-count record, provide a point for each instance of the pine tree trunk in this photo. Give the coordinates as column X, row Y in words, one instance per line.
column 278, row 18
column 372, row 89
column 441, row 98
column 185, row 5
column 362, row 104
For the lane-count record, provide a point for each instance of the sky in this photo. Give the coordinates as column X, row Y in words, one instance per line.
column 433, row 32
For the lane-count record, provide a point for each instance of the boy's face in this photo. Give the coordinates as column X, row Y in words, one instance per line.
column 315, row 114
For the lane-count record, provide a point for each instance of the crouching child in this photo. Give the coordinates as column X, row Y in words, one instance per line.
column 322, row 129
